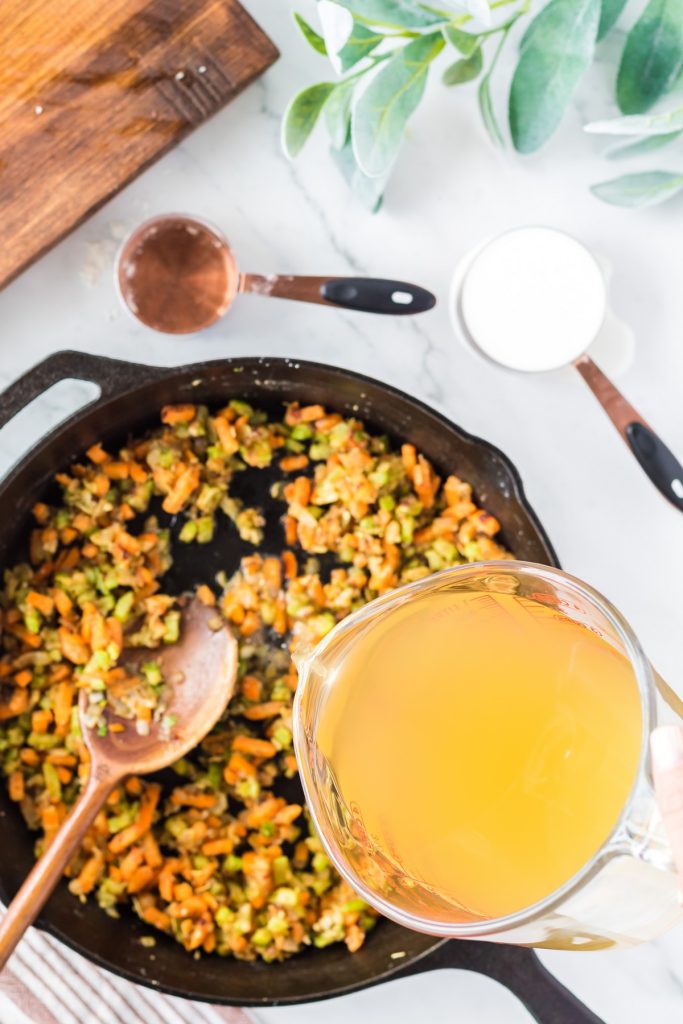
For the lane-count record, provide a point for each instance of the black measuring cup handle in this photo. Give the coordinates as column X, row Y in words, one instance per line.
column 519, row 970
column 658, row 462
column 366, row 294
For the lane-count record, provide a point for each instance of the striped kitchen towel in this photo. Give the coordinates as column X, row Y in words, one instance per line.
column 46, row 983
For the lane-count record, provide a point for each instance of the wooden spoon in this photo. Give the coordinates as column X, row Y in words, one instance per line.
column 200, row 672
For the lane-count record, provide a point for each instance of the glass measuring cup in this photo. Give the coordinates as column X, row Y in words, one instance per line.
column 625, row 893
column 178, row 274
column 550, row 303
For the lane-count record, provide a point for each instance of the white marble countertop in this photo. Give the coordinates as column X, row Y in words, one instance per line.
column 450, row 190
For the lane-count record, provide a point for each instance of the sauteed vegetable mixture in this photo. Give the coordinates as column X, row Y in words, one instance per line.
column 222, row 860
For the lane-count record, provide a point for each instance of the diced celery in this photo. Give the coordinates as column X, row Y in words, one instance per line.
column 354, row 906
column 176, row 825
column 281, row 870
column 241, row 408
column 261, row 937
column 214, row 774
column 320, row 862
column 43, row 740
column 232, row 864
column 188, row 531
column 204, row 529
column 32, row 620
column 151, row 670
column 223, row 916
column 268, row 828
column 171, row 627
column 118, row 822
column 302, row 432
column 123, row 606
column 387, row 503
column 283, row 737
column 52, row 783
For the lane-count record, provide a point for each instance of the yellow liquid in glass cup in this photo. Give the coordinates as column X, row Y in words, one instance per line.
column 469, row 749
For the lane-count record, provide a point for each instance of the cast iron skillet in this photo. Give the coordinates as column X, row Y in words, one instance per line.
column 131, row 396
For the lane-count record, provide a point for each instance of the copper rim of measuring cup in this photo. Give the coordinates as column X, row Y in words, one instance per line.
column 176, row 293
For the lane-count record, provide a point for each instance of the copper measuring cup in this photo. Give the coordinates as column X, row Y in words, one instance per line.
column 178, row 274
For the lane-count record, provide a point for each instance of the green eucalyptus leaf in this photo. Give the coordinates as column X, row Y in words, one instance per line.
column 382, row 110
column 487, row 112
column 663, row 123
column 646, row 145
column 464, row 42
column 337, row 112
column 393, row 13
column 653, row 56
column 310, row 35
column 556, row 50
column 360, row 44
column 301, row 116
column 609, row 15
column 464, row 70
column 368, row 191
column 337, row 25
column 644, row 189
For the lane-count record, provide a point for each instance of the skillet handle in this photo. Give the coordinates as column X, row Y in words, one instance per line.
column 516, row 968
column 111, row 375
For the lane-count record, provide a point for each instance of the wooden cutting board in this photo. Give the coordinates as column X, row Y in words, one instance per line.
column 93, row 91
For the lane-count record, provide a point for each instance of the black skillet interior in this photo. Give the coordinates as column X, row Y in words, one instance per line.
column 131, row 396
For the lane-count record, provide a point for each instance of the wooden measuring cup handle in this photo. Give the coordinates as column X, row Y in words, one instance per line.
column 658, row 462
column 47, row 871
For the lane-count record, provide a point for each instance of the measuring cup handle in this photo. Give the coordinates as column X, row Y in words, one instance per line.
column 658, row 462
column 366, row 294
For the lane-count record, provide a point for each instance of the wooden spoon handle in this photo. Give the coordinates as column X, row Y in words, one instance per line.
column 47, row 871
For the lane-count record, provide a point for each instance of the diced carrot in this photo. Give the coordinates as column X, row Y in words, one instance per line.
column 272, row 573
column 173, row 414
column 288, row 814
column 73, row 647
column 133, row 786
column 182, row 891
column 61, row 757
column 183, row 798
column 63, row 602
column 227, row 434
column 166, row 879
column 293, row 462
column 425, row 481
column 90, row 873
column 327, row 422
column 33, row 640
column 62, row 701
column 289, row 562
column 153, row 854
column 409, row 459
column 259, row 712
column 89, row 551
column 100, row 485
column 122, row 840
column 68, row 535
column 302, row 491
column 131, row 862
column 116, row 470
column 23, row 678
column 290, row 530
column 308, row 414
column 157, row 918
column 186, row 483
column 141, row 878
column 129, row 543
column 41, row 720
column 206, row 595
column 255, row 747
column 29, row 756
column 137, row 473
column 251, row 624
column 64, row 775
column 42, row 602
column 265, row 811
column 97, row 454
column 16, row 786
column 217, row 847
column 251, row 688
column 41, row 512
